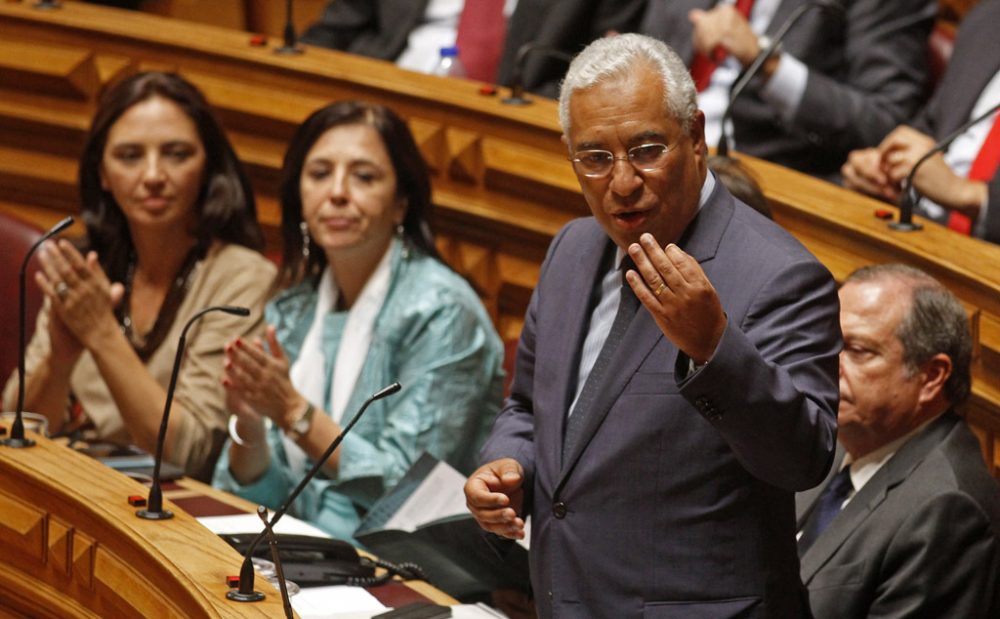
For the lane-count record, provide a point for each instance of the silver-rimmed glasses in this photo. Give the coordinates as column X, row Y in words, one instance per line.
column 599, row 163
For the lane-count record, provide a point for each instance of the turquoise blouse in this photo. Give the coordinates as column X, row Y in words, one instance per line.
column 434, row 337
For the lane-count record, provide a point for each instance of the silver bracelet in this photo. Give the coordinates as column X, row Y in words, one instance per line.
column 239, row 440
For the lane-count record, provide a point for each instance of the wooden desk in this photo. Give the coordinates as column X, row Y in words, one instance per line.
column 73, row 546
column 502, row 186
column 199, row 500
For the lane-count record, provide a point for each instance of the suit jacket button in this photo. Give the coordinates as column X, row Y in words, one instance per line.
column 559, row 510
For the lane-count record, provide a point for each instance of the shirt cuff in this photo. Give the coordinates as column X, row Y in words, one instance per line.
column 787, row 86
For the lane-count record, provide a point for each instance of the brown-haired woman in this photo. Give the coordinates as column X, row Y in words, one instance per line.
column 171, row 229
column 367, row 302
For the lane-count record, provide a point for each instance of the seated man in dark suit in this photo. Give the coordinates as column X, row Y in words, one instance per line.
column 841, row 80
column 907, row 524
column 410, row 33
column 959, row 185
column 564, row 26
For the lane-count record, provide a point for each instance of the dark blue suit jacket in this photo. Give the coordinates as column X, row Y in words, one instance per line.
column 678, row 501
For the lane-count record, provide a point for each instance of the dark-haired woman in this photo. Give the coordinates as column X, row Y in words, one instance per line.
column 367, row 302
column 171, row 229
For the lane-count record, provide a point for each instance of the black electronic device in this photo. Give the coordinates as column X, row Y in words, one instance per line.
column 416, row 610
column 309, row 560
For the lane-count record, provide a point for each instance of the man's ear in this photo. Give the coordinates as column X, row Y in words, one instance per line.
column 934, row 374
column 697, row 131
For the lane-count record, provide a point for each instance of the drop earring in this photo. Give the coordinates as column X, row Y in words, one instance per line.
column 304, row 228
column 401, row 235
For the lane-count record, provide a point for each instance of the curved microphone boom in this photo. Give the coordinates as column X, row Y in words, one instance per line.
column 17, row 438
column 154, row 506
column 722, row 149
column 245, row 593
column 908, row 198
column 517, row 76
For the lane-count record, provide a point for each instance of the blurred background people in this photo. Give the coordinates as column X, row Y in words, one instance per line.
column 841, row 80
column 411, row 33
column 171, row 229
column 366, row 301
column 563, row 26
column 488, row 33
column 959, row 185
column 908, row 522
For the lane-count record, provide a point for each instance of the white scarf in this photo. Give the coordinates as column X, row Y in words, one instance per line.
column 307, row 373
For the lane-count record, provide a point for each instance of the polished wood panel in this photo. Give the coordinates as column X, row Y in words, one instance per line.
column 502, row 186
column 73, row 547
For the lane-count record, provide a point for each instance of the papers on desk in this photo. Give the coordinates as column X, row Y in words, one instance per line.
column 424, row 520
column 250, row 523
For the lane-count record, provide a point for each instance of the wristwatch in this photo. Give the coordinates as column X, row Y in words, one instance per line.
column 298, row 428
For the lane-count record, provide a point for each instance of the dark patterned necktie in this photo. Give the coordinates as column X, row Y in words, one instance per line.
column 627, row 305
column 829, row 505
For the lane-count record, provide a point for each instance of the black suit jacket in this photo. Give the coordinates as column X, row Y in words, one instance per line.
column 920, row 539
column 867, row 73
column 565, row 25
column 974, row 62
column 374, row 28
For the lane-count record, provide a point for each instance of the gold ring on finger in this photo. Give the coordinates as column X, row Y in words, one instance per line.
column 659, row 289
column 61, row 290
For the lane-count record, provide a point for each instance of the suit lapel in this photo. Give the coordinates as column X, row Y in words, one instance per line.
column 878, row 488
column 701, row 240
column 575, row 301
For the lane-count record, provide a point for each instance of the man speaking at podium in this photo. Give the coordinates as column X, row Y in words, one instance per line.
column 657, row 448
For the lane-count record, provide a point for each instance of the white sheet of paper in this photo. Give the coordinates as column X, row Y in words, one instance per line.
column 439, row 495
column 336, row 602
column 250, row 523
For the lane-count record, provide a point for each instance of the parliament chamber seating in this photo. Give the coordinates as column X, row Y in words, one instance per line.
column 502, row 187
column 16, row 238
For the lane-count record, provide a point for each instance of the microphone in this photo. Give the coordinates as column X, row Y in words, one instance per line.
column 290, row 48
column 154, row 506
column 722, row 149
column 246, row 592
column 908, row 198
column 517, row 76
column 17, row 438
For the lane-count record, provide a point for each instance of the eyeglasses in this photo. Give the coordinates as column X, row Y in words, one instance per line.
column 599, row 163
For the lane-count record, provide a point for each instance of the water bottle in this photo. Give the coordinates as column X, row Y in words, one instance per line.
column 449, row 65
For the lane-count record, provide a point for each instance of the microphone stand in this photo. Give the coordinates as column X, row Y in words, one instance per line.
column 276, row 557
column 722, row 149
column 17, row 438
column 290, row 48
column 908, row 198
column 154, row 506
column 246, row 591
column 517, row 96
